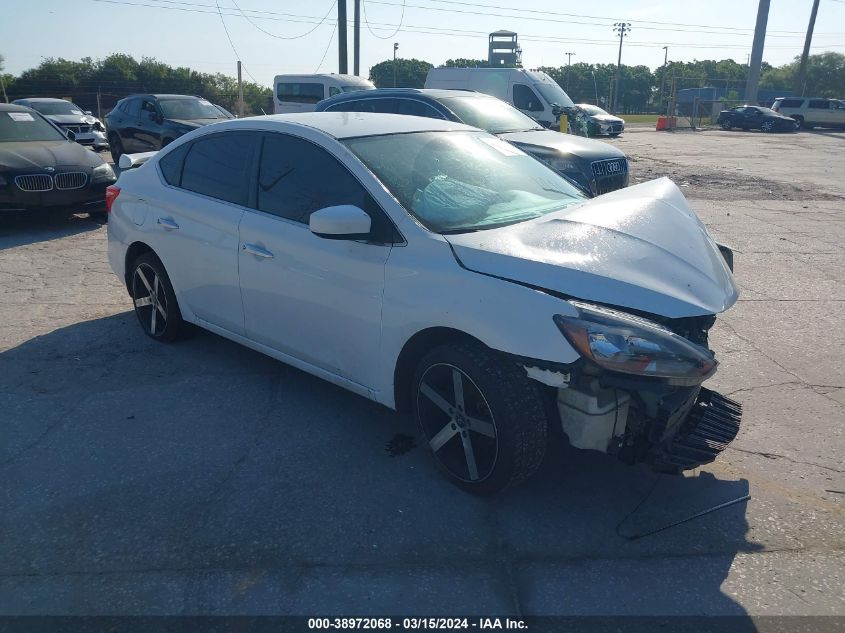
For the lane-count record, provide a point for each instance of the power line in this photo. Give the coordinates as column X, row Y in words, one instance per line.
column 232, row 44
column 328, row 46
column 373, row 33
column 287, row 37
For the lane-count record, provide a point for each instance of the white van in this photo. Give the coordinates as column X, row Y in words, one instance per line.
column 300, row 93
column 533, row 92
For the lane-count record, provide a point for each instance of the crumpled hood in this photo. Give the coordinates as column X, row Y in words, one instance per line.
column 566, row 143
column 39, row 154
column 606, row 118
column 641, row 248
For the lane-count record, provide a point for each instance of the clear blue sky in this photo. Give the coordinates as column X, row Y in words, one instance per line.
column 191, row 33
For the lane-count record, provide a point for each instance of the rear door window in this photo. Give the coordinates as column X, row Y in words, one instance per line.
column 171, row 164
column 300, row 92
column 791, row 103
column 219, row 166
column 819, row 104
column 133, row 108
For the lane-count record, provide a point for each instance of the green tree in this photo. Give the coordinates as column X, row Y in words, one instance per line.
column 410, row 73
column 463, row 62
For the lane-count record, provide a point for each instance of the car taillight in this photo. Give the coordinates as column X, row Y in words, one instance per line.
column 112, row 192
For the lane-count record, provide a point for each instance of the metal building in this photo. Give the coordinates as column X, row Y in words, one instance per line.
column 504, row 50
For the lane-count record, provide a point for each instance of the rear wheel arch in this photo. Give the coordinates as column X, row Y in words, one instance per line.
column 135, row 250
column 413, row 352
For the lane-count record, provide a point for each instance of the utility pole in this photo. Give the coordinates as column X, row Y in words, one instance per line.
column 395, row 48
column 757, row 52
column 798, row 86
column 568, row 64
column 99, row 107
column 343, row 67
column 623, row 28
column 663, row 77
column 240, row 92
column 3, row 86
column 595, row 86
column 356, row 39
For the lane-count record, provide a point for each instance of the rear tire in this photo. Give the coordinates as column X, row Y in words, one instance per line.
column 481, row 416
column 799, row 121
column 768, row 126
column 115, row 147
column 726, row 125
column 155, row 302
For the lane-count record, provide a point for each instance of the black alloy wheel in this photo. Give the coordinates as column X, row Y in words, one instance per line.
column 155, row 302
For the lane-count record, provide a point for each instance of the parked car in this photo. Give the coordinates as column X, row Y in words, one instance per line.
column 87, row 128
column 42, row 167
column 147, row 122
column 812, row 112
column 755, row 118
column 595, row 167
column 444, row 272
column 590, row 120
column 300, row 93
column 533, row 92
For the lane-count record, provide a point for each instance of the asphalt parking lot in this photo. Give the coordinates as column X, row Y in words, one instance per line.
column 204, row 478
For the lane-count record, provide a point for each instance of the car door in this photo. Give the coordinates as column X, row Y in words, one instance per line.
column 148, row 135
column 127, row 125
column 753, row 118
column 318, row 300
column 196, row 223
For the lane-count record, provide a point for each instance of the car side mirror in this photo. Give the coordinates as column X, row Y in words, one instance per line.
column 342, row 222
column 556, row 109
column 71, row 135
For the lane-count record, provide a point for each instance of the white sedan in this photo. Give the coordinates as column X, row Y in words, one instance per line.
column 441, row 271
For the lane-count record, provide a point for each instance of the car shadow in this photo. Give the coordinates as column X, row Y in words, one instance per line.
column 837, row 134
column 18, row 228
column 136, row 470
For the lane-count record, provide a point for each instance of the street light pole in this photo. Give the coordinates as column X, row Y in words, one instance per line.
column 595, row 86
column 623, row 28
column 395, row 48
column 568, row 64
column 663, row 77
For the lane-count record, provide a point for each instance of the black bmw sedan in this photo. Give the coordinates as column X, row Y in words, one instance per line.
column 755, row 118
column 40, row 167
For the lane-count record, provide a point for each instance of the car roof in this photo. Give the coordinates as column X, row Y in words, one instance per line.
column 160, row 96
column 431, row 93
column 342, row 125
column 44, row 100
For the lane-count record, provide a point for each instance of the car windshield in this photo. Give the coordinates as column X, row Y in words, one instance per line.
column 553, row 93
column 591, row 109
column 492, row 115
column 189, row 109
column 26, row 126
column 456, row 182
column 56, row 107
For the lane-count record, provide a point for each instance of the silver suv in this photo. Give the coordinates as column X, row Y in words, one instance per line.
column 812, row 112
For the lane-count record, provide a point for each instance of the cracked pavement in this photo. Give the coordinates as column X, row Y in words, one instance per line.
column 204, row 478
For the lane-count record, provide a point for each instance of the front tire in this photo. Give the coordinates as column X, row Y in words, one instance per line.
column 726, row 125
column 481, row 416
column 155, row 302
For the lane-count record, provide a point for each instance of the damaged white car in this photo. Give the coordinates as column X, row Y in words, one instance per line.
column 440, row 271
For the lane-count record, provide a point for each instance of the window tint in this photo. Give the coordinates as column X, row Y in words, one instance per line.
column 333, row 91
column 791, row 103
column 218, row 166
column 300, row 92
column 171, row 164
column 525, row 99
column 292, row 180
column 819, row 103
column 412, row 107
column 387, row 106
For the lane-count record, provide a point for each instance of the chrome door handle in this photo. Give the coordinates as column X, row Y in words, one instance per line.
column 254, row 249
column 168, row 224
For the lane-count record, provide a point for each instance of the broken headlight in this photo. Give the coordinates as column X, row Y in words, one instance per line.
column 632, row 345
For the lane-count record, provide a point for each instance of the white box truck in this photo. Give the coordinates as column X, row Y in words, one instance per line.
column 300, row 93
column 532, row 91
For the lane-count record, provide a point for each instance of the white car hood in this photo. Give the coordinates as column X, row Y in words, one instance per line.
column 641, row 248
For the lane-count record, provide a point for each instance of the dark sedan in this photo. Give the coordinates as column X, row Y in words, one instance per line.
column 40, row 167
column 590, row 120
column 592, row 166
column 755, row 118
